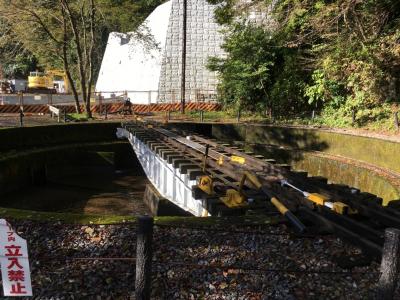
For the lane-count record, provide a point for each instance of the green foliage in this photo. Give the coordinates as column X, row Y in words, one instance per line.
column 20, row 67
column 336, row 57
column 15, row 61
column 246, row 71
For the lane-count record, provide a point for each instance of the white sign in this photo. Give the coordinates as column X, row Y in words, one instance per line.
column 14, row 262
column 54, row 110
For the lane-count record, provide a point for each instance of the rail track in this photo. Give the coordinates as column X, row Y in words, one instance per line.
column 231, row 181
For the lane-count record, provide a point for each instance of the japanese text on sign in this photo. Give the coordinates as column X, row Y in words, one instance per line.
column 14, row 262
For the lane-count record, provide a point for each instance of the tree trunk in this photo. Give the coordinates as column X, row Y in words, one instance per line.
column 90, row 53
column 78, row 50
column 66, row 65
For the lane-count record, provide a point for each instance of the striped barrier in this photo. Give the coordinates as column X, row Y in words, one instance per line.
column 112, row 107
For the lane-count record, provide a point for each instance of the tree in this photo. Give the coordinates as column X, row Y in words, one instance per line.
column 340, row 55
column 15, row 61
column 70, row 35
column 245, row 73
column 43, row 28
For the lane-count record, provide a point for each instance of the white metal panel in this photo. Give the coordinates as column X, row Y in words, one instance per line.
column 169, row 182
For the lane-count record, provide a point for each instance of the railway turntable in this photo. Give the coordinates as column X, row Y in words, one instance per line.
column 209, row 178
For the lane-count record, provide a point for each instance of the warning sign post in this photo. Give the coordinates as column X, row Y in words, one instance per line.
column 14, row 262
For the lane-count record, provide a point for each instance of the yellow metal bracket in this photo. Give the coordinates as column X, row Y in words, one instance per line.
column 238, row 159
column 236, row 198
column 317, row 198
column 343, row 209
column 233, row 198
column 205, row 183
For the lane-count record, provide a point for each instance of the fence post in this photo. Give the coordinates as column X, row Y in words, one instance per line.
column 353, row 116
column 313, row 115
column 238, row 116
column 169, row 115
column 100, row 104
column 21, row 99
column 21, row 116
column 149, row 97
column 201, row 116
column 144, row 254
column 390, row 264
column 396, row 120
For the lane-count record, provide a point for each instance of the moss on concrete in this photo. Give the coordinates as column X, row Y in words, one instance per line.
column 63, row 217
column 111, row 219
column 370, row 150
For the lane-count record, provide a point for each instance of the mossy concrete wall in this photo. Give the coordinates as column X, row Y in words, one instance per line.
column 352, row 175
column 25, row 152
column 377, row 152
column 336, row 169
column 51, row 135
column 29, row 167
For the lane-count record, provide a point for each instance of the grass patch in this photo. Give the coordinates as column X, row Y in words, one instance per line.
column 63, row 217
column 218, row 116
column 84, row 219
column 78, row 117
column 376, row 119
column 218, row 221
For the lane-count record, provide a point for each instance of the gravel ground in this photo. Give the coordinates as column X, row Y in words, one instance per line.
column 273, row 265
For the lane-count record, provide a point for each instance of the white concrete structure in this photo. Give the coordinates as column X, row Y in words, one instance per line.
column 129, row 64
column 168, row 181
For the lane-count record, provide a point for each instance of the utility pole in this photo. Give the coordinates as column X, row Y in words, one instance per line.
column 183, row 78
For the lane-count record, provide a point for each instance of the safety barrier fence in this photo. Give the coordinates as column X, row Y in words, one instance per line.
column 136, row 96
column 144, row 265
column 111, row 108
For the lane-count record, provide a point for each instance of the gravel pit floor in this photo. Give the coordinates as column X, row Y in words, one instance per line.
column 191, row 263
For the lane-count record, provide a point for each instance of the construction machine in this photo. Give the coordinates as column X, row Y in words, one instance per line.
column 43, row 82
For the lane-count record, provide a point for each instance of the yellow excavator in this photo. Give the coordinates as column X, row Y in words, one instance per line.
column 43, row 82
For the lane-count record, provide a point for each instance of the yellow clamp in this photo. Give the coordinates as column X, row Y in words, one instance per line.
column 238, row 159
column 233, row 199
column 205, row 183
column 343, row 209
column 236, row 198
column 317, row 198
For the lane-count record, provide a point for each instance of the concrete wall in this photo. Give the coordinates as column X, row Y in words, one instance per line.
column 377, row 152
column 29, row 167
